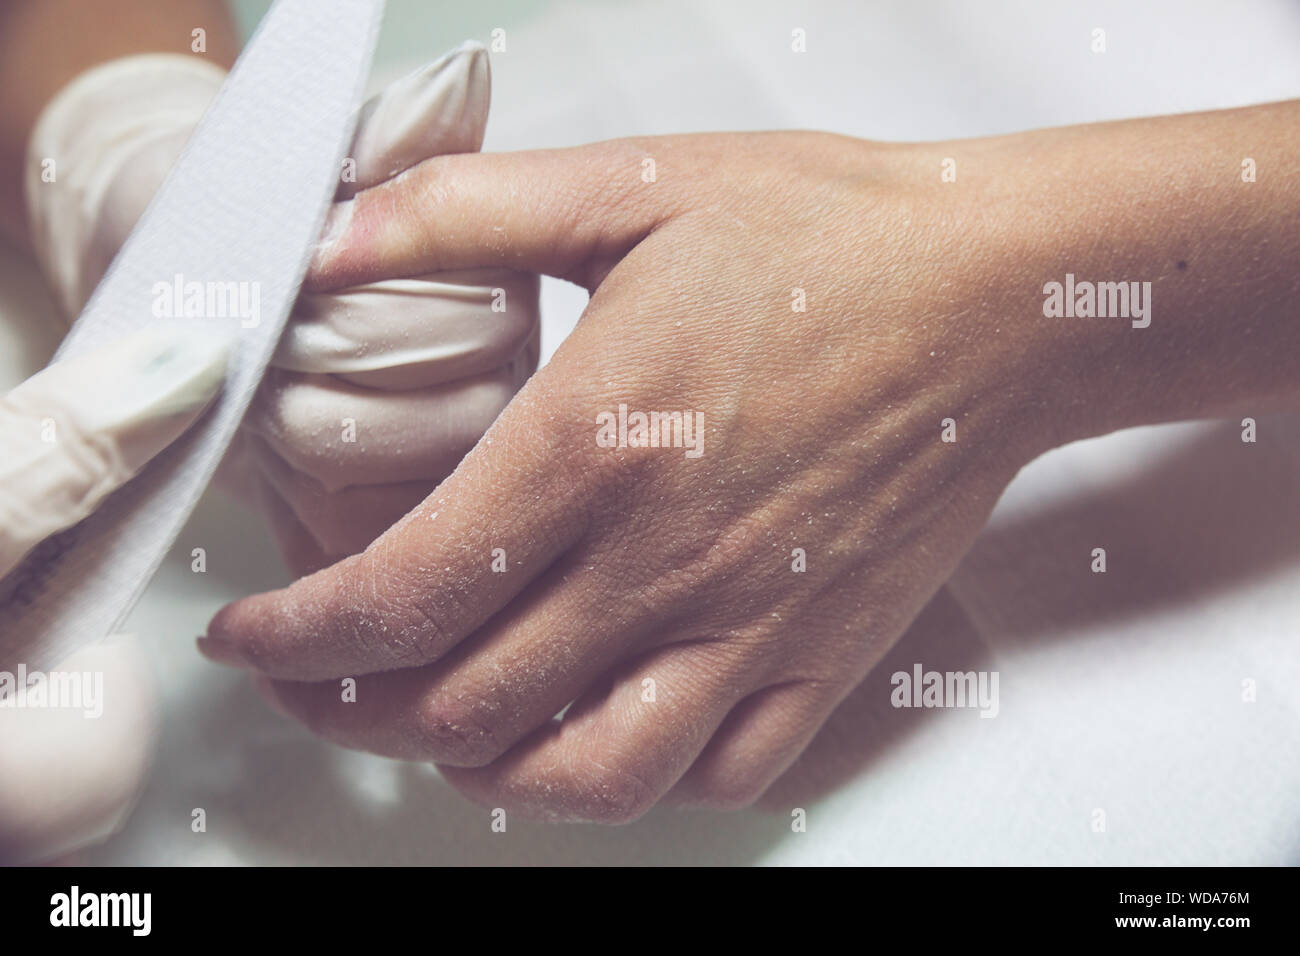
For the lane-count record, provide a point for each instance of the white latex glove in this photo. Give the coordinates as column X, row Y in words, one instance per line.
column 69, row 436
column 376, row 392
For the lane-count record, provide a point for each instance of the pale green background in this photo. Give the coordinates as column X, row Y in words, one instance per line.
column 417, row 29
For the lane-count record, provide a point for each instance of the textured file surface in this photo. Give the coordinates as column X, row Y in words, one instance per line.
column 243, row 204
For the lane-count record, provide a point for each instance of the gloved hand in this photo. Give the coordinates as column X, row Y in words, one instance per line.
column 69, row 436
column 376, row 392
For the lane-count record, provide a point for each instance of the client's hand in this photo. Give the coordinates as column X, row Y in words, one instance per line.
column 808, row 368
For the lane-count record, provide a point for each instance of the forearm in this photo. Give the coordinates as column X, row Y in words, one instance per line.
column 1211, row 327
column 46, row 43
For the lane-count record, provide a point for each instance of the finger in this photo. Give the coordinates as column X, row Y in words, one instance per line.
column 75, row 432
column 757, row 743
column 345, row 435
column 616, row 752
column 511, row 677
column 551, row 211
column 516, row 501
column 342, row 522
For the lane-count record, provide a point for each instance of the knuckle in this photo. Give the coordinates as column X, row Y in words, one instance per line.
column 616, row 795
column 453, row 732
column 552, row 435
column 409, row 198
column 721, row 558
column 431, row 623
column 619, row 470
column 363, row 615
column 390, row 607
column 605, row 471
column 360, row 627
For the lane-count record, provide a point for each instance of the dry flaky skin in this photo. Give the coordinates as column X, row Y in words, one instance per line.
column 823, row 431
column 376, row 391
column 420, row 365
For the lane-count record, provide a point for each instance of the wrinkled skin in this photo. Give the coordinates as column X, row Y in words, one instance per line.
column 823, row 431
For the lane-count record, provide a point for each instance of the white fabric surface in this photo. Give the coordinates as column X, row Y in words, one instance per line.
column 1114, row 695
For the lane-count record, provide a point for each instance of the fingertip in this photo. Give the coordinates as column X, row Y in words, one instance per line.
column 289, row 633
column 225, row 633
column 236, row 628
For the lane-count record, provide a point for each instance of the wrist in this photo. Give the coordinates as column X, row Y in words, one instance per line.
column 1129, row 271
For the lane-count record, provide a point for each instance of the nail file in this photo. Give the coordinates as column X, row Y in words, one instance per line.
column 223, row 247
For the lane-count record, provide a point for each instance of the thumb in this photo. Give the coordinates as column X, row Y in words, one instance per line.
column 564, row 212
column 79, row 429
